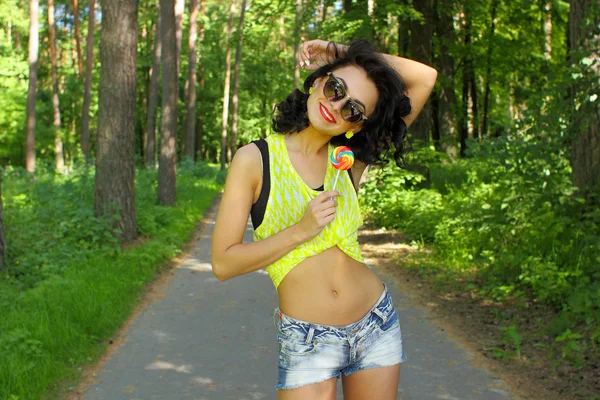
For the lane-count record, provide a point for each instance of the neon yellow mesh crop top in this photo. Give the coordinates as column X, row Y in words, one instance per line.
column 288, row 198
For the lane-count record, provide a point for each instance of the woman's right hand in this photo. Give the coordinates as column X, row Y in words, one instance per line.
column 313, row 54
column 319, row 212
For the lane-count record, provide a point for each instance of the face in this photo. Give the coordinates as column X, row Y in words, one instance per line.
column 330, row 116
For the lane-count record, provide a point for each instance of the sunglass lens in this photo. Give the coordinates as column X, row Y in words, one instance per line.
column 351, row 113
column 334, row 91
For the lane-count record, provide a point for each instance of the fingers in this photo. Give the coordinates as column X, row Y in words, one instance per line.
column 304, row 59
column 310, row 54
column 328, row 194
column 326, row 215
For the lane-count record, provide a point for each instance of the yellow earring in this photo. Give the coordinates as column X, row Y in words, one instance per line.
column 349, row 134
column 311, row 90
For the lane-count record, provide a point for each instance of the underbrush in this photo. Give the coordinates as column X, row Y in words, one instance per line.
column 69, row 285
column 507, row 220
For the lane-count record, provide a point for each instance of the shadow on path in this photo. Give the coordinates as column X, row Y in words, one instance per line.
column 206, row 339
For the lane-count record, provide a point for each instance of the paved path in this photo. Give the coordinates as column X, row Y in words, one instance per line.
column 214, row 340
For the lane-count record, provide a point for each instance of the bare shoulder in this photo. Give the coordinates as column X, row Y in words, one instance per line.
column 246, row 168
column 247, row 156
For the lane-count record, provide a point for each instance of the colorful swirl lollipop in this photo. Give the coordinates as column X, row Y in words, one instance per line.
column 342, row 159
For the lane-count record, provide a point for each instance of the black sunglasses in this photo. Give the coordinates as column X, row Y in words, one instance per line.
column 335, row 91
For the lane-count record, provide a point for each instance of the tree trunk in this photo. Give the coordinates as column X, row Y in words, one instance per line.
column 403, row 37
column 150, row 151
column 236, row 77
column 466, row 80
column 167, row 169
column 347, row 6
column 585, row 155
column 115, row 167
column 447, row 104
column 488, row 72
column 2, row 237
column 297, row 34
column 77, row 37
column 474, row 100
column 547, row 28
column 179, row 9
column 371, row 14
column 464, row 115
column 145, row 71
column 58, row 144
column 226, row 89
column 200, row 123
column 282, row 34
column 87, row 94
column 421, row 50
column 31, row 94
column 322, row 12
column 190, row 101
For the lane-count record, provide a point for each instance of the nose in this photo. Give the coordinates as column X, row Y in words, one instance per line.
column 337, row 105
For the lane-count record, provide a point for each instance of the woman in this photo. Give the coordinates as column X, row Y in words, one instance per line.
column 335, row 318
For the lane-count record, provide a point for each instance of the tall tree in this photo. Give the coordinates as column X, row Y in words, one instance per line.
column 421, row 50
column 403, row 33
column 469, row 69
column 167, row 165
column 200, row 123
column 87, row 93
column 58, row 144
column 447, row 104
column 488, row 72
column 236, row 77
column 2, row 237
column 150, row 145
column 179, row 9
column 466, row 81
column 547, row 28
column 189, row 131
column 297, row 34
column 584, row 39
column 115, row 167
column 31, row 94
column 77, row 37
column 226, row 88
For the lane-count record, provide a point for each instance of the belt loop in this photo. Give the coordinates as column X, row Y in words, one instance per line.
column 384, row 317
column 311, row 333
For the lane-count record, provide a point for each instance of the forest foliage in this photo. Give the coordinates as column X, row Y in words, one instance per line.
column 504, row 179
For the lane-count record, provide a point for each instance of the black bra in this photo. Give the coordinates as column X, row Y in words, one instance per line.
column 257, row 212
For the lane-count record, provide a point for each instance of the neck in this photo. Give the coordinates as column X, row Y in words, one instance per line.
column 308, row 141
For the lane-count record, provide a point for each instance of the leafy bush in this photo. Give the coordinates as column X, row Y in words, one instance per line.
column 508, row 211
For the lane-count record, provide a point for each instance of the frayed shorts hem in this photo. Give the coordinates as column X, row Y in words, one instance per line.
column 366, row 367
column 299, row 385
column 338, row 376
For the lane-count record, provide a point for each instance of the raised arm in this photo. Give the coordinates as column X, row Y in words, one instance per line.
column 419, row 78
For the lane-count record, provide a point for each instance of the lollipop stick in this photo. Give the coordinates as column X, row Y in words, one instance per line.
column 336, row 179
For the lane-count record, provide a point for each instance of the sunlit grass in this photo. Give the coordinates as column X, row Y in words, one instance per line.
column 64, row 300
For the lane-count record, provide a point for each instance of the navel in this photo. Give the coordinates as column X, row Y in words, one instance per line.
column 334, row 293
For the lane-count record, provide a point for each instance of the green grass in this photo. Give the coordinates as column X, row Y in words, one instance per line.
column 56, row 321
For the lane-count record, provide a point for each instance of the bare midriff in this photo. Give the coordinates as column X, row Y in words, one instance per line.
column 329, row 288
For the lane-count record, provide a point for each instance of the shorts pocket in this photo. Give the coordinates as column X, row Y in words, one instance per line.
column 292, row 346
column 391, row 321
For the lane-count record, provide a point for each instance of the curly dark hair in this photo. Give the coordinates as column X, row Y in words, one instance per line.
column 384, row 126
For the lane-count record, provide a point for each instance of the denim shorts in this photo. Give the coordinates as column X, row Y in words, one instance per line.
column 311, row 353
